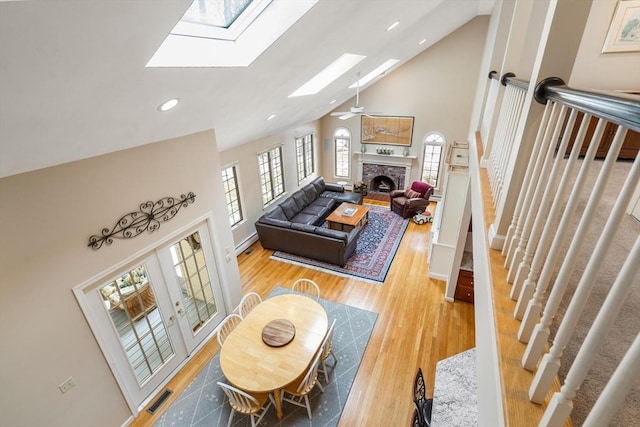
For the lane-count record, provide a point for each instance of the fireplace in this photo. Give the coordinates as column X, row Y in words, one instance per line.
column 383, row 178
column 384, row 173
column 382, row 184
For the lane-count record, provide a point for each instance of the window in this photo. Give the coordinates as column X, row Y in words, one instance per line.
column 304, row 156
column 342, row 155
column 271, row 174
column 432, row 158
column 231, row 194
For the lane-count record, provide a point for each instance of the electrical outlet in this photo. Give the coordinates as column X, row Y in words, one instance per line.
column 67, row 385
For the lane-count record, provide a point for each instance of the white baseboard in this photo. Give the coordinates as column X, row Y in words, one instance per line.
column 245, row 245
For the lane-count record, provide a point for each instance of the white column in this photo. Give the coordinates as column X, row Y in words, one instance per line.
column 528, row 188
column 541, row 332
column 541, row 181
column 519, row 204
column 532, row 314
column 617, row 388
column 561, row 403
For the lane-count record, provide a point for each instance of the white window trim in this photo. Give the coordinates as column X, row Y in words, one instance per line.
column 441, row 170
column 333, row 149
column 240, row 196
column 284, row 193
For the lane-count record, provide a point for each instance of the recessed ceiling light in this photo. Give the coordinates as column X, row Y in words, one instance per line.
column 334, row 70
column 333, row 101
column 168, row 105
column 423, row 41
column 375, row 73
column 392, row 26
column 271, row 117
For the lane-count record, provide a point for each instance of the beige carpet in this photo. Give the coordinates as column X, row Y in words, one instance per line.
column 627, row 324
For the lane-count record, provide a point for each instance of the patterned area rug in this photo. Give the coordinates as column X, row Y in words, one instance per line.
column 203, row 403
column 377, row 246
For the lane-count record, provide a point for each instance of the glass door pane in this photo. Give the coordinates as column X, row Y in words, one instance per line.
column 131, row 305
column 193, row 278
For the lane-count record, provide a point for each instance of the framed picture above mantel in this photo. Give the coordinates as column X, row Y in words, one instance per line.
column 387, row 130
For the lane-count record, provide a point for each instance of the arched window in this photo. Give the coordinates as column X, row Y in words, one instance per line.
column 342, row 153
column 432, row 158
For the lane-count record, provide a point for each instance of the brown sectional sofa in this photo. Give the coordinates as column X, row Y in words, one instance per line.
column 295, row 224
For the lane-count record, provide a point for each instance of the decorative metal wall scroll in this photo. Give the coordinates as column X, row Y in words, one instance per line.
column 148, row 218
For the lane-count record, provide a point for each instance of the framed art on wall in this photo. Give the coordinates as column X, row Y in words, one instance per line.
column 624, row 31
column 389, row 130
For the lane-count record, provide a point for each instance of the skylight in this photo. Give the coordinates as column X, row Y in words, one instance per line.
column 334, row 70
column 215, row 12
column 219, row 19
column 231, row 37
column 375, row 73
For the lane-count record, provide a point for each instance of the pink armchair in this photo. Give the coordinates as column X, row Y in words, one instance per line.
column 407, row 203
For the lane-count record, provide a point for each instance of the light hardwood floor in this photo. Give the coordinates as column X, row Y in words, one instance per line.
column 416, row 327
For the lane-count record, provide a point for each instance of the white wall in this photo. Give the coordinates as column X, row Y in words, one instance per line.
column 603, row 71
column 436, row 87
column 245, row 157
column 46, row 218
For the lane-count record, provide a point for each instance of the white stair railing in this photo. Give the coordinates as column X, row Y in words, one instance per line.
column 540, row 182
column 547, row 368
column 503, row 142
column 550, row 190
column 561, row 403
column 541, row 332
column 515, row 228
column 541, row 249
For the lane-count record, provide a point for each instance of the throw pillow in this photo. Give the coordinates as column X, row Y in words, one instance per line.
column 410, row 194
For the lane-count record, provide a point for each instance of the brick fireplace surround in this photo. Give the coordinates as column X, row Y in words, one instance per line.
column 373, row 168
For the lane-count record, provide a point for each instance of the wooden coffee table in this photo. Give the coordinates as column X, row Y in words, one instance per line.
column 338, row 221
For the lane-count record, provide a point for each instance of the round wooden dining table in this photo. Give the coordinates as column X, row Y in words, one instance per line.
column 250, row 364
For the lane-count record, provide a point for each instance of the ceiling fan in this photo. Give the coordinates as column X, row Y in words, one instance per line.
column 356, row 110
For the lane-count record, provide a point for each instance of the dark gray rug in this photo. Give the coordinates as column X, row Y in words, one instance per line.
column 203, row 403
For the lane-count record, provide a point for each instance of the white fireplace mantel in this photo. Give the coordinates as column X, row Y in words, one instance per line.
column 384, row 159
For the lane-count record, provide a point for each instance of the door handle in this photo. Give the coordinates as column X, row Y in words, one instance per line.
column 181, row 312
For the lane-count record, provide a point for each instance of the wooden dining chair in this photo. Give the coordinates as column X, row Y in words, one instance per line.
column 308, row 287
column 227, row 325
column 423, row 404
column 327, row 350
column 247, row 404
column 248, row 303
column 299, row 389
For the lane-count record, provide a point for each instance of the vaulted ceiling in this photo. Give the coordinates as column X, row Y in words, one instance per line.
column 73, row 81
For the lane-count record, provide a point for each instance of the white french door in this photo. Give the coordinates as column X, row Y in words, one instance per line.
column 152, row 313
column 193, row 286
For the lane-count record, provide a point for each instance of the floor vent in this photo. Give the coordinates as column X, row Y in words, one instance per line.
column 165, row 394
column 248, row 252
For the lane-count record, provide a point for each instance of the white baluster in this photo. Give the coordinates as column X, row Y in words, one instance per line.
column 528, row 190
column 520, row 202
column 617, row 388
column 561, row 405
column 547, row 225
column 503, row 124
column 543, row 181
column 514, row 119
column 541, row 332
column 532, row 314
